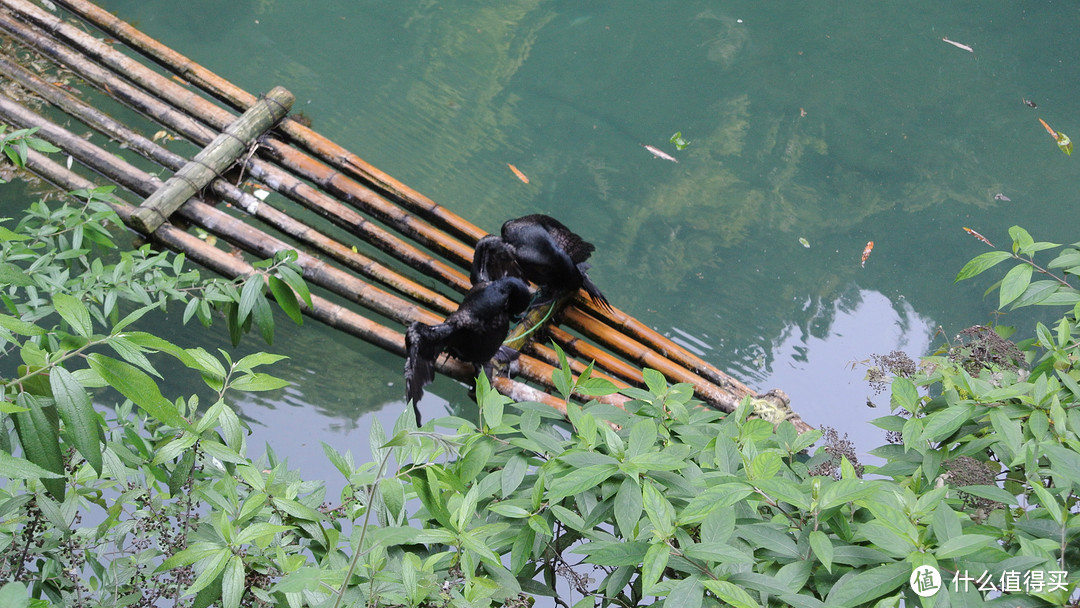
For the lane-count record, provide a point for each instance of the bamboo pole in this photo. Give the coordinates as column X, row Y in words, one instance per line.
column 213, row 160
column 286, row 184
column 352, row 164
column 260, row 209
column 318, row 172
column 198, row 212
column 315, row 270
column 323, row 310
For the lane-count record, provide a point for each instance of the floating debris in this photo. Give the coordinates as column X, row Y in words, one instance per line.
column 658, row 153
column 959, row 46
column 518, row 173
column 978, row 236
column 1062, row 140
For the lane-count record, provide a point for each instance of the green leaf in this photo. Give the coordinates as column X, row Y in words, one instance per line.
column 718, row 552
column 940, row 425
column 1006, row 429
column 628, row 506
column 1015, row 283
column 1022, row 240
column 687, row 593
column 658, row 509
column 765, row 466
column 286, row 299
column 654, row 381
column 260, row 533
column 258, row 382
column 14, row 595
column 80, row 420
column 652, row 567
column 216, row 563
column 20, row 327
column 579, row 480
column 995, row 493
column 965, row 544
column 11, row 274
column 38, row 430
column 232, row 583
column 136, row 385
column 843, row 491
column 868, row 585
column 642, row 437
column 250, row 293
column 13, row 467
column 822, row 547
column 730, row 593
column 513, row 473
column 981, row 263
column 294, row 280
column 264, row 319
column 73, row 311
column 904, row 394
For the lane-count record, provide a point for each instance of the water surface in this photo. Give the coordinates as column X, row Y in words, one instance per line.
column 835, row 123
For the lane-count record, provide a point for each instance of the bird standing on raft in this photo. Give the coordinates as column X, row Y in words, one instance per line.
column 540, row 249
column 473, row 333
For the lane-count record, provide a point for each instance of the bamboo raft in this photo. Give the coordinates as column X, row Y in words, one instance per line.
column 321, row 183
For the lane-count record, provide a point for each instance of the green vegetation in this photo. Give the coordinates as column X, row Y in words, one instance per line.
column 157, row 502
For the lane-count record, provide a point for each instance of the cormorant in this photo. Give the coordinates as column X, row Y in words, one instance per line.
column 473, row 333
column 540, row 249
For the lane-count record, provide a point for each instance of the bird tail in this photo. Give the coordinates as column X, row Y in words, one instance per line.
column 593, row 291
column 423, row 343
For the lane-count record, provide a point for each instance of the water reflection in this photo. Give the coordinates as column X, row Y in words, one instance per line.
column 822, row 366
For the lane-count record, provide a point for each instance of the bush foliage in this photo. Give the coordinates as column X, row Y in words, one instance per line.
column 156, row 500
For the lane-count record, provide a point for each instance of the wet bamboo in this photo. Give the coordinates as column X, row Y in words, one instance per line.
column 539, row 319
column 261, row 170
column 183, row 98
column 604, row 360
column 323, row 310
column 646, row 357
column 352, row 191
column 139, row 182
column 105, row 124
column 219, row 223
column 288, row 185
column 345, row 160
column 655, row 340
column 315, row 271
column 240, row 100
column 349, row 162
column 213, row 160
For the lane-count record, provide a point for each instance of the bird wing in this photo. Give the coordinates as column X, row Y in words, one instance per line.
column 576, row 247
column 492, row 260
column 423, row 343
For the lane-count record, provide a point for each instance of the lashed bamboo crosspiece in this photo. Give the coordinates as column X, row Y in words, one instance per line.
column 333, row 183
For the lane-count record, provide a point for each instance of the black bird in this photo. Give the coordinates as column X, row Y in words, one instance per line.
column 473, row 333
column 540, row 249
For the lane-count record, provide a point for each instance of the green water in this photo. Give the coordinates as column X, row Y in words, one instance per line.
column 834, row 122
